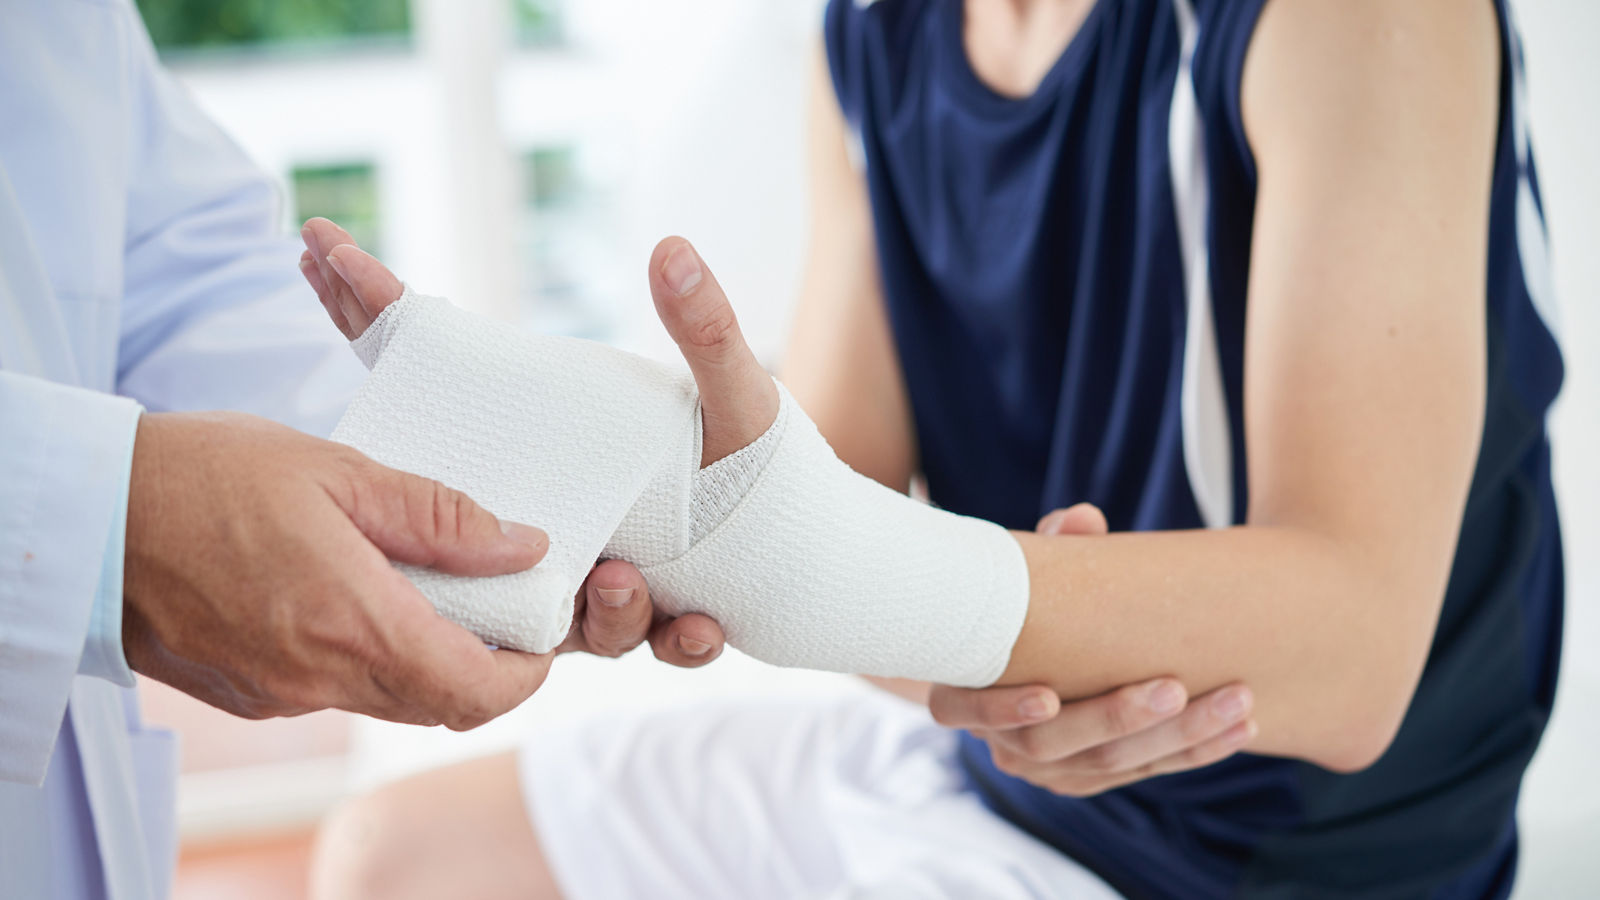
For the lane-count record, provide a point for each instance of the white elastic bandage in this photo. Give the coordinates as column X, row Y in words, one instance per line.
column 802, row 561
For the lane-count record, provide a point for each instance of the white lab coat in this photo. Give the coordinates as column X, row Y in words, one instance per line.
column 142, row 255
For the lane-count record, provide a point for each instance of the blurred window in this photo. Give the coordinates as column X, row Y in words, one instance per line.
column 568, row 253
column 539, row 22
column 552, row 179
column 201, row 25
column 347, row 194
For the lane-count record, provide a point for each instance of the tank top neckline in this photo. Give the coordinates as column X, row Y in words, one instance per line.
column 983, row 98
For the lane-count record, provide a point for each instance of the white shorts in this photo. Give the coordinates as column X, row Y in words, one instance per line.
column 858, row 797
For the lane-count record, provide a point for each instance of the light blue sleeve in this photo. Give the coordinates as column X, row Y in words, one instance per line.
column 65, row 457
column 215, row 313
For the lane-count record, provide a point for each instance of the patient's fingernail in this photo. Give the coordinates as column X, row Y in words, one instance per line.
column 1166, row 697
column 1232, row 704
column 1033, row 709
column 614, row 597
column 693, row 647
column 338, row 266
column 682, row 271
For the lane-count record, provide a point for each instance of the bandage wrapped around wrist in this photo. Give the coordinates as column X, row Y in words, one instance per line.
column 802, row 561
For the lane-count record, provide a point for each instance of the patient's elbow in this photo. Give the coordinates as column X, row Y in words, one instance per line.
column 1364, row 736
column 1354, row 755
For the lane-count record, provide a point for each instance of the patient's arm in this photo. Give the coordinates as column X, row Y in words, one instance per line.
column 1372, row 126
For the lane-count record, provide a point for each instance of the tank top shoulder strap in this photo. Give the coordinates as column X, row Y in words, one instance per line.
column 1224, row 31
column 858, row 32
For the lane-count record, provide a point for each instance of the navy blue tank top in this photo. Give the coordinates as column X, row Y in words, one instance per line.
column 1065, row 276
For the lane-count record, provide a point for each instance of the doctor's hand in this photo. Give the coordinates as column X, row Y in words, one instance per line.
column 257, row 577
column 613, row 613
column 1086, row 747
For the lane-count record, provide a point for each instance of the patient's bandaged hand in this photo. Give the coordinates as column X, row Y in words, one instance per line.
column 802, row 561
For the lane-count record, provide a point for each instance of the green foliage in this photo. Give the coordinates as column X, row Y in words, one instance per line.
column 211, row 23
column 538, row 21
column 347, row 194
column 550, row 176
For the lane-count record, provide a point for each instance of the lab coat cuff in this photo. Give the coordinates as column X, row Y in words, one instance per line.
column 102, row 649
column 64, row 465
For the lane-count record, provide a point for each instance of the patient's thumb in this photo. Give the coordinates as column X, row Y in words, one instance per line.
column 738, row 399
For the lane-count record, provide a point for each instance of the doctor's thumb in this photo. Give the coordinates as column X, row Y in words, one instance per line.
column 421, row 522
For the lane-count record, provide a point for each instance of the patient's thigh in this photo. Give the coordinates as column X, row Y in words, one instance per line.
column 459, row 831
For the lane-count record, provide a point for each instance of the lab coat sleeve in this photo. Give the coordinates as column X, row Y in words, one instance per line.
column 215, row 312
column 66, row 456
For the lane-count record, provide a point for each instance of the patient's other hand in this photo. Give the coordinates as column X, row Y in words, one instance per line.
column 1085, row 747
column 613, row 614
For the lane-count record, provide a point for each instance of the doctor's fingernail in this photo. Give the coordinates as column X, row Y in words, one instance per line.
column 1166, row 697
column 693, row 647
column 614, row 597
column 682, row 271
column 524, row 534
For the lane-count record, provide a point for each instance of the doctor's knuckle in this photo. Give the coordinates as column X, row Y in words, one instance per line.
column 450, row 511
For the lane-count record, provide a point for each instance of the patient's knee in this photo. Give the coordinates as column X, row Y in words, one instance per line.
column 370, row 847
column 459, row 831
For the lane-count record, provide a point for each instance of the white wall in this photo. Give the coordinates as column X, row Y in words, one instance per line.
column 1561, row 801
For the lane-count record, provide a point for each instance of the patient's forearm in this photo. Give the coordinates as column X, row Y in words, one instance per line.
column 1331, row 648
column 904, row 688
